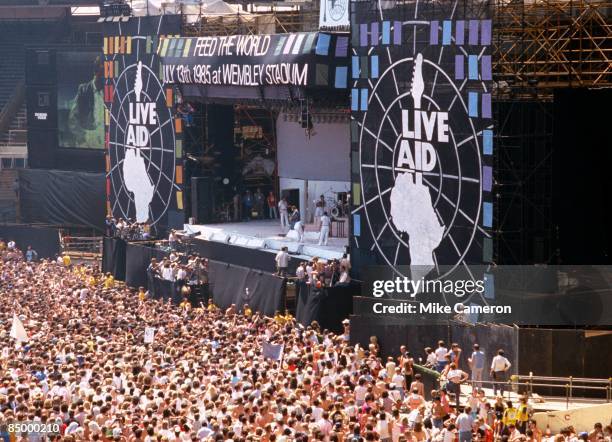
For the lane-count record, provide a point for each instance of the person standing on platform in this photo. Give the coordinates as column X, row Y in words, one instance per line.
column 455, row 378
column 173, row 240
column 294, row 217
column 454, row 354
column 499, row 367
column 477, row 363
column 441, row 353
column 108, row 226
column 319, row 209
column 283, row 208
column 237, row 206
column 282, row 262
column 259, row 203
column 324, row 234
column 272, row 212
column 299, row 228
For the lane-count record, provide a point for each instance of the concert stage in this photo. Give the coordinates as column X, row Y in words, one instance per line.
column 269, row 237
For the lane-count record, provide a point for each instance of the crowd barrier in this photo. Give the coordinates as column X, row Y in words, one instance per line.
column 173, row 290
column 231, row 284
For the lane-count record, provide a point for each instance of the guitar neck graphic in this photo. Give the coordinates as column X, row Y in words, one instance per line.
column 138, row 82
column 417, row 85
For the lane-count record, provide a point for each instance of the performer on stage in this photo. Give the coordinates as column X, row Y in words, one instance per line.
column 294, row 217
column 283, row 207
column 319, row 209
column 299, row 228
column 324, row 234
column 273, row 213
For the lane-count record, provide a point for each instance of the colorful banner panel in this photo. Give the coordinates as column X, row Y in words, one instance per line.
column 306, row 59
column 421, row 135
column 143, row 136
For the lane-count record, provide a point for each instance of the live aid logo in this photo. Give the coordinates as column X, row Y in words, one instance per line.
column 141, row 115
column 419, row 128
column 415, row 152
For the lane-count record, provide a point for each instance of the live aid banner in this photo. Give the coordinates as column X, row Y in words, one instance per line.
column 422, row 136
column 306, row 59
column 144, row 171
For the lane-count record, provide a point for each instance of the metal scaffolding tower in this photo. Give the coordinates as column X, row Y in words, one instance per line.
column 553, row 43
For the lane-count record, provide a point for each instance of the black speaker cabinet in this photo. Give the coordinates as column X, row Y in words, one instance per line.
column 202, row 199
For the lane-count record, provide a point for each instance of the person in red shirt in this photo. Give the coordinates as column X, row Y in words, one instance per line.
column 272, row 211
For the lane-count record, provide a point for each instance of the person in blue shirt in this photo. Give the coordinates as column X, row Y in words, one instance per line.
column 477, row 363
column 31, row 254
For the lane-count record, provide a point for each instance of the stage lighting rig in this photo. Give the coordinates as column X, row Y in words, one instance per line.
column 114, row 10
column 305, row 118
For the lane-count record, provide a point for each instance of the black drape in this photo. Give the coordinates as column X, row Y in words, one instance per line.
column 113, row 257
column 62, row 198
column 171, row 290
column 138, row 258
column 241, row 256
column 45, row 240
column 229, row 284
column 328, row 306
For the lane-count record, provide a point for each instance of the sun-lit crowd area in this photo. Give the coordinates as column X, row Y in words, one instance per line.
column 89, row 359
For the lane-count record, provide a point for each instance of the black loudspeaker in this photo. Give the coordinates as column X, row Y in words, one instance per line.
column 202, row 199
column 42, row 148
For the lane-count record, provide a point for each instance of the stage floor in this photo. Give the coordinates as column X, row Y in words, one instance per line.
column 269, row 235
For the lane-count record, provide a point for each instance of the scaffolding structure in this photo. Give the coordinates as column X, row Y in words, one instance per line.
column 270, row 20
column 547, row 44
column 524, row 223
column 539, row 46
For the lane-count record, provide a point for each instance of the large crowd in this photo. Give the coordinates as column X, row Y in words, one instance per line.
column 202, row 375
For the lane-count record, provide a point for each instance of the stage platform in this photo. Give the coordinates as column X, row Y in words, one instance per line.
column 538, row 402
column 269, row 236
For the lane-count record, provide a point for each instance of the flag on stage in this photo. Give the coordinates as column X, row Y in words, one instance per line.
column 18, row 332
column 273, row 351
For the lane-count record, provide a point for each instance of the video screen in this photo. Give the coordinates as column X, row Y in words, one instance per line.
column 80, row 100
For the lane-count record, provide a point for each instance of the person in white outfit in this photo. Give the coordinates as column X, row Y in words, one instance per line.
column 319, row 209
column 299, row 228
column 325, row 224
column 282, row 208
